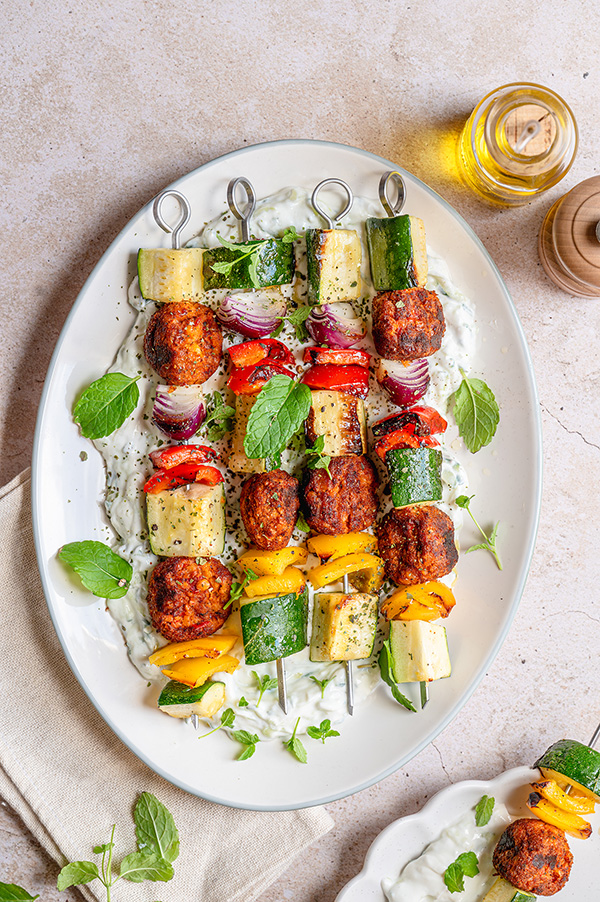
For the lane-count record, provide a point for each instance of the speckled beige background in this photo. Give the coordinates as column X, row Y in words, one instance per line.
column 104, row 104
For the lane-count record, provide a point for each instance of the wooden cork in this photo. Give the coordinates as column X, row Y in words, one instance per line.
column 569, row 247
column 520, row 119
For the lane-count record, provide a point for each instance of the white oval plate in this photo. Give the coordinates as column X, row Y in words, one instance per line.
column 407, row 837
column 68, row 493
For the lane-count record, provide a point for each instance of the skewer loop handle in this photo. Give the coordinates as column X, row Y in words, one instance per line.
column 244, row 215
column 332, row 221
column 184, row 218
column 392, row 209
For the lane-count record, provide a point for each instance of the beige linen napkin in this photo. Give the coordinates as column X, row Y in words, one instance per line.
column 70, row 778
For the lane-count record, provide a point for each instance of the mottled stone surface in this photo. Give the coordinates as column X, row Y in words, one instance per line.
column 103, row 105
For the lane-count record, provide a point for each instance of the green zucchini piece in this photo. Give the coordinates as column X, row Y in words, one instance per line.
column 415, row 475
column 180, row 700
column 333, row 258
column 170, row 275
column 340, row 419
column 188, row 521
column 419, row 651
column 503, row 891
column 343, row 627
column 273, row 626
column 568, row 761
column 274, row 266
column 398, row 252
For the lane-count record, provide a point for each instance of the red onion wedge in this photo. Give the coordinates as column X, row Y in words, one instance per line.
column 335, row 325
column 254, row 314
column 404, row 383
column 179, row 410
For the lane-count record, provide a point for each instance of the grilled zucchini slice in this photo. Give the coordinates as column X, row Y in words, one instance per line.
column 419, row 651
column 343, row 627
column 398, row 252
column 333, row 265
column 170, row 275
column 188, row 521
column 340, row 418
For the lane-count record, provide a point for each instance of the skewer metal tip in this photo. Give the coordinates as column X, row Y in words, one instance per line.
column 348, row 666
column 424, row 694
column 195, row 721
column 281, row 685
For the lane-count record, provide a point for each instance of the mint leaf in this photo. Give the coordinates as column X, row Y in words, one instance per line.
column 294, row 746
column 243, row 703
column 139, row 866
column 280, row 409
column 237, row 588
column 466, row 865
column 248, row 740
column 385, row 668
column 488, row 544
column 317, row 460
column 105, row 847
column 483, row 810
column 219, row 417
column 76, row 873
column 290, row 235
column 227, row 717
column 10, row 892
column 476, row 413
column 263, row 683
column 469, row 863
column 106, row 404
column 155, row 829
column 322, row 732
column 247, row 753
column 102, row 571
column 303, row 526
column 321, row 684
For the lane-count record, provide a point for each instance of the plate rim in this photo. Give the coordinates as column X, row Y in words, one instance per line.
column 537, row 462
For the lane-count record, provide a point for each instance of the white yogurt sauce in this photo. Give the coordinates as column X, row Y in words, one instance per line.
column 128, row 467
column 422, row 880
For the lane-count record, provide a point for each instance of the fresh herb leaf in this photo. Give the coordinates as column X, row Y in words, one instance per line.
column 294, row 746
column 385, row 667
column 301, row 523
column 106, row 404
column 296, row 318
column 317, row 460
column 219, row 417
column 243, row 703
column 155, row 828
column 263, row 683
column 10, row 892
column 105, row 847
column 476, row 413
column 290, row 235
column 322, row 732
column 488, row 544
column 102, row 571
column 280, row 409
column 321, row 683
column 466, row 865
column 483, row 810
column 237, row 587
column 248, row 740
column 139, row 866
column 76, row 873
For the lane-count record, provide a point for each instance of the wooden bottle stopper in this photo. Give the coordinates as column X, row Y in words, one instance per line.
column 569, row 246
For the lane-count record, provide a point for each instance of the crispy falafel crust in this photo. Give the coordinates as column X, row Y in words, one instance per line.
column 269, row 503
column 416, row 544
column 346, row 502
column 407, row 324
column 186, row 596
column 183, row 343
column 533, row 856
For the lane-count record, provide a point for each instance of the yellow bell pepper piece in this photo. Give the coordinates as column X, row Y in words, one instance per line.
column 291, row 580
column 333, row 571
column 330, row 548
column 551, row 791
column 196, row 671
column 570, row 823
column 209, row 647
column 272, row 563
column 425, row 601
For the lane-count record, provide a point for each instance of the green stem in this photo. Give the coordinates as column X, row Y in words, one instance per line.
column 108, row 875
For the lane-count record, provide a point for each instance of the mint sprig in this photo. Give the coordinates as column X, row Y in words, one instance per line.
column 280, row 409
column 294, row 746
column 106, row 404
column 238, row 587
column 489, row 542
column 483, row 810
column 248, row 740
column 322, row 732
column 264, row 683
column 102, row 572
column 219, row 417
column 322, row 684
column 227, row 720
column 296, row 318
column 317, row 459
column 476, row 413
column 466, row 865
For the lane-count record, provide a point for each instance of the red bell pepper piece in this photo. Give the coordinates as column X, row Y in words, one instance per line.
column 403, row 438
column 338, row 356
column 353, row 380
column 417, row 420
column 249, row 353
column 173, row 455
column 248, row 380
column 182, row 474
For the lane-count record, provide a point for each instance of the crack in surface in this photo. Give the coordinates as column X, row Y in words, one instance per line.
column 442, row 762
column 569, row 431
column 583, row 613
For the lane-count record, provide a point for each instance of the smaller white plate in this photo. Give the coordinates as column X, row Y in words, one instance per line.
column 407, row 837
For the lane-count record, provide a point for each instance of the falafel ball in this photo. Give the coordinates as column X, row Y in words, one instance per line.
column 269, row 503
column 346, row 501
column 533, row 856
column 407, row 324
column 183, row 343
column 416, row 544
column 186, row 596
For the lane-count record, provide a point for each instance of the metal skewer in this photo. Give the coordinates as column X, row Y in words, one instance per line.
column 595, row 737
column 332, row 221
column 281, row 685
column 392, row 208
column 349, row 665
column 244, row 215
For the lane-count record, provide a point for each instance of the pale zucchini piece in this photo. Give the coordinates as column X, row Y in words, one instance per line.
column 343, row 627
column 503, row 891
column 188, row 521
column 239, row 461
column 333, row 265
column 340, row 418
column 419, row 651
column 170, row 275
column 180, row 700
